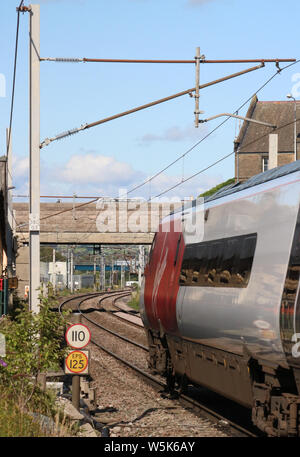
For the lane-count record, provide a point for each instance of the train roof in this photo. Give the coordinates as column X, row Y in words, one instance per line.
column 261, row 178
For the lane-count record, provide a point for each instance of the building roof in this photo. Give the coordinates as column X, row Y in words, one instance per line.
column 255, row 138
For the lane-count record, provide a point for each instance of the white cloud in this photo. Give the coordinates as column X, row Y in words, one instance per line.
column 20, row 167
column 198, row 2
column 176, row 133
column 94, row 174
column 97, row 168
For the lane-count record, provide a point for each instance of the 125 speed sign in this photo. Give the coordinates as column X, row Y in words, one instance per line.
column 77, row 362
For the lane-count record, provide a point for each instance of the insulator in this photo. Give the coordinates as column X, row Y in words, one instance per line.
column 67, row 59
column 67, row 133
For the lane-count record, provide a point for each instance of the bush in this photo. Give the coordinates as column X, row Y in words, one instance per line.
column 34, row 345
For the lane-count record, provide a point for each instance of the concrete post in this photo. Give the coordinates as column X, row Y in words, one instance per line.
column 197, row 92
column 102, row 263
column 34, row 149
column 9, row 227
column 273, row 151
column 141, row 263
column 75, row 377
column 95, row 287
column 54, row 271
column 71, row 273
column 122, row 276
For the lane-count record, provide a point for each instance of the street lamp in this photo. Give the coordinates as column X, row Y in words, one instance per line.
column 295, row 125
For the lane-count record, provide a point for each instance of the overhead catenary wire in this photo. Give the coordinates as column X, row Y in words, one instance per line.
column 167, row 61
column 170, row 188
column 211, row 132
column 86, row 126
column 14, row 77
column 218, row 161
column 190, row 149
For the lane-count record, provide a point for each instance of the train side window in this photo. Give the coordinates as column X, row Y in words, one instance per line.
column 215, row 263
column 219, row 263
column 201, row 253
column 230, row 262
column 185, row 267
column 246, row 258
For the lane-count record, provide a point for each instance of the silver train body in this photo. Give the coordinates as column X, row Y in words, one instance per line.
column 238, row 329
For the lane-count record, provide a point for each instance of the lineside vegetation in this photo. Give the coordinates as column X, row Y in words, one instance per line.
column 34, row 345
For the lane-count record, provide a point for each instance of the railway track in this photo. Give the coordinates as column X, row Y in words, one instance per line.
column 186, row 399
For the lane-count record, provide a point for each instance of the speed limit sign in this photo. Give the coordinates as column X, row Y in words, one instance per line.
column 78, row 336
column 77, row 362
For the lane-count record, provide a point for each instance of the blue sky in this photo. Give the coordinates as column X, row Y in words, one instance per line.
column 124, row 152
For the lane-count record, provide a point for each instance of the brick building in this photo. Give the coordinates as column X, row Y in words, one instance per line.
column 252, row 144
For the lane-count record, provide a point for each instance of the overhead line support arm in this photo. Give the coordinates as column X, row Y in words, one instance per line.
column 47, row 141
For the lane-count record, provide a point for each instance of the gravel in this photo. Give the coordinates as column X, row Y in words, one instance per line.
column 126, row 404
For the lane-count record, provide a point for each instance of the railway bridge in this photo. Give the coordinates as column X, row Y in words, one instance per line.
column 100, row 222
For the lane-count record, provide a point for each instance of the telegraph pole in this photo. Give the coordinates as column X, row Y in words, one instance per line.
column 54, row 271
column 95, row 269
column 141, row 263
column 68, row 268
column 10, row 224
column 102, row 274
column 112, row 274
column 197, row 92
column 34, row 151
column 71, row 273
column 122, row 276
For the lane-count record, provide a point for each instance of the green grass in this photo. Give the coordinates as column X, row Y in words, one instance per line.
column 15, row 423
column 134, row 302
column 215, row 189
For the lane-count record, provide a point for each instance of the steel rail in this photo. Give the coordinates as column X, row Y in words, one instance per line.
column 211, row 414
column 122, row 318
column 124, row 338
column 85, row 297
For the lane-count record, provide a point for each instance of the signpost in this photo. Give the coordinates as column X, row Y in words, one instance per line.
column 78, row 337
column 77, row 362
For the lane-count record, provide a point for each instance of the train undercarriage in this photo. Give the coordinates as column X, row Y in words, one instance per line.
column 270, row 391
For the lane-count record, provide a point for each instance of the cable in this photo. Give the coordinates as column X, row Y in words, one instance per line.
column 209, row 133
column 180, row 157
column 220, row 160
column 193, row 176
column 47, row 141
column 14, row 77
